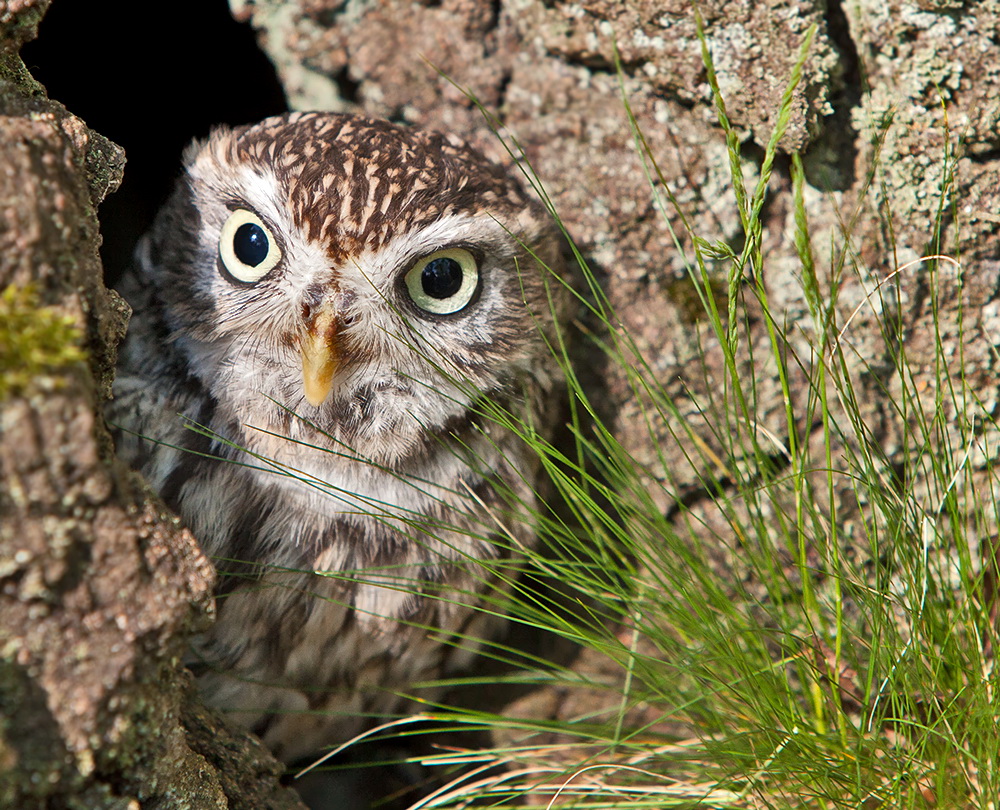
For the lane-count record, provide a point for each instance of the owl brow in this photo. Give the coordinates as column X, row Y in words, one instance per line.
column 233, row 203
column 476, row 249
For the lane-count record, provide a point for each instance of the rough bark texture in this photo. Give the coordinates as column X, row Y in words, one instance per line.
column 97, row 584
column 896, row 121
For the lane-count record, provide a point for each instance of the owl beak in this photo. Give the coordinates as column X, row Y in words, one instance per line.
column 320, row 355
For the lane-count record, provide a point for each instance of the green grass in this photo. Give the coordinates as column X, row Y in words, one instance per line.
column 812, row 628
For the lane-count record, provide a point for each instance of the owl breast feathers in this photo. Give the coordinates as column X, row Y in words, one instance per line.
column 328, row 315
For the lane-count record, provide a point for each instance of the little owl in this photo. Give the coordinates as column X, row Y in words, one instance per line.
column 338, row 323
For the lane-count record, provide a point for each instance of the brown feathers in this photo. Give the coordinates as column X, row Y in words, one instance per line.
column 345, row 524
column 355, row 183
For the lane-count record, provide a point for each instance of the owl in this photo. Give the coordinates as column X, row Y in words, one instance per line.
column 341, row 332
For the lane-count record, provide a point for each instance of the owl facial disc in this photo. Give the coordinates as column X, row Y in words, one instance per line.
column 320, row 354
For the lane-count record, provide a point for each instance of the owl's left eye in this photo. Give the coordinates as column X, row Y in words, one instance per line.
column 443, row 282
column 247, row 248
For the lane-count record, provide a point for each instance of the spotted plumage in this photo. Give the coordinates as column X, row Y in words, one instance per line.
column 339, row 302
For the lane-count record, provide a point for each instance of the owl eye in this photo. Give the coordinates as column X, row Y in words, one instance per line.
column 247, row 248
column 443, row 282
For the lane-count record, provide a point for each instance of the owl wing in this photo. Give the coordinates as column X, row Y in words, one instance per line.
column 156, row 399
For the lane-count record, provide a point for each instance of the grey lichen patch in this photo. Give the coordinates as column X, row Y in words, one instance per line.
column 35, row 341
column 754, row 52
column 934, row 101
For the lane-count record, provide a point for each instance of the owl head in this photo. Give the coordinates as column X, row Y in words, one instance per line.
column 352, row 277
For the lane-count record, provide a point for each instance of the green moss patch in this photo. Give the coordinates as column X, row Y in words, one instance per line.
column 34, row 340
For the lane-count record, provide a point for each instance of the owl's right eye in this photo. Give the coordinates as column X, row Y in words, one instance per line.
column 247, row 249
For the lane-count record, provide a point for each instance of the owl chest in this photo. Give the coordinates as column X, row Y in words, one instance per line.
column 318, row 511
column 292, row 660
column 298, row 514
column 332, row 582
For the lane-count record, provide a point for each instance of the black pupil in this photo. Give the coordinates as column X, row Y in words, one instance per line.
column 250, row 244
column 441, row 278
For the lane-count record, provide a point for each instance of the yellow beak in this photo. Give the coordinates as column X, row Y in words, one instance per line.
column 320, row 356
